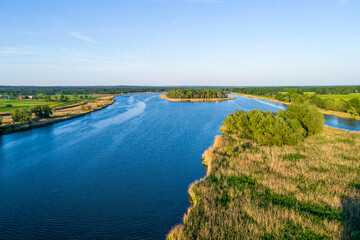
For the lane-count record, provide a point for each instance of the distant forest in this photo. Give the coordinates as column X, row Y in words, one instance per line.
column 181, row 93
column 272, row 91
column 32, row 90
column 260, row 91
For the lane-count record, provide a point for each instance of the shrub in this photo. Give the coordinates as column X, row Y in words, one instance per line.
column 308, row 115
column 42, row 111
column 1, row 118
column 268, row 128
column 21, row 115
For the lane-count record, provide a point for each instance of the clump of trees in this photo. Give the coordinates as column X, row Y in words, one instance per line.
column 21, row 115
column 269, row 128
column 182, row 93
column 42, row 111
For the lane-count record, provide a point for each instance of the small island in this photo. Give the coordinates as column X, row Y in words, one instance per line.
column 196, row 95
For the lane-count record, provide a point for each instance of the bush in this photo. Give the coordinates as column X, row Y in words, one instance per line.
column 268, row 128
column 42, row 111
column 21, row 115
column 1, row 118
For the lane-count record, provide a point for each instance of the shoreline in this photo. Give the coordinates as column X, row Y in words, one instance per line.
column 163, row 96
column 323, row 111
column 18, row 127
column 177, row 231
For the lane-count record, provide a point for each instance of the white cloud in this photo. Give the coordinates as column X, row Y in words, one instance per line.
column 82, row 37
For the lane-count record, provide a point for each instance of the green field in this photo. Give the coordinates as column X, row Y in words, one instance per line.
column 28, row 103
column 340, row 96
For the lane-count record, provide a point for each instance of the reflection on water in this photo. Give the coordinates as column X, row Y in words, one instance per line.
column 342, row 123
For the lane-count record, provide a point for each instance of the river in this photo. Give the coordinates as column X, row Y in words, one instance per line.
column 119, row 173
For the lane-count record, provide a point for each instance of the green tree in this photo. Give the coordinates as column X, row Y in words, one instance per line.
column 353, row 112
column 47, row 98
column 75, row 95
column 13, row 95
column 308, row 115
column 42, row 111
column 21, row 115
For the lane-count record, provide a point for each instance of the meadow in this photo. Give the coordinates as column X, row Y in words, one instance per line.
column 339, row 96
column 306, row 191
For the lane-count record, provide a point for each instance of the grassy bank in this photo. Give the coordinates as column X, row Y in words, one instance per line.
column 323, row 111
column 163, row 96
column 62, row 114
column 305, row 191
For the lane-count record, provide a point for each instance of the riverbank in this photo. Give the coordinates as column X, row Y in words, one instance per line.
column 323, row 111
column 60, row 115
column 163, row 96
column 309, row 190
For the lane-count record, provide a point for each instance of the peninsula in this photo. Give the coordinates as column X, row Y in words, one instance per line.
column 277, row 176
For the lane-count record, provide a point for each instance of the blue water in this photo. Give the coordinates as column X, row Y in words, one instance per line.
column 119, row 173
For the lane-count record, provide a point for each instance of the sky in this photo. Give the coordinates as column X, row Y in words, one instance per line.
column 179, row 42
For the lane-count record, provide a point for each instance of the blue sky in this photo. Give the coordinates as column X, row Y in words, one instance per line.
column 180, row 42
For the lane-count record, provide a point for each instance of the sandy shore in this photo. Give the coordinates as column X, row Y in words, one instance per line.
column 163, row 96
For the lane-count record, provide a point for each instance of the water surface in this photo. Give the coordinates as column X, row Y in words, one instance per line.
column 119, row 173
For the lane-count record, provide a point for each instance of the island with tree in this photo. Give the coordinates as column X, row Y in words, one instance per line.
column 196, row 95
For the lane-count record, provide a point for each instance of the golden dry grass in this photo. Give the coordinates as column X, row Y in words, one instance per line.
column 306, row 191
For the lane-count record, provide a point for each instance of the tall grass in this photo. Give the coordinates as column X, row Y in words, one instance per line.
column 305, row 191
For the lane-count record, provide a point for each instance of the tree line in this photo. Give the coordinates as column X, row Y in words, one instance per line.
column 33, row 90
column 271, row 91
column 185, row 93
column 25, row 115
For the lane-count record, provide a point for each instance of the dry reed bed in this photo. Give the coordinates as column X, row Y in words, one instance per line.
column 306, row 191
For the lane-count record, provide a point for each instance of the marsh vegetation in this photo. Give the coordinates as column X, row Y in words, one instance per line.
column 256, row 190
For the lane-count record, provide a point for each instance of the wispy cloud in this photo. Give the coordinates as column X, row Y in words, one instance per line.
column 12, row 51
column 82, row 37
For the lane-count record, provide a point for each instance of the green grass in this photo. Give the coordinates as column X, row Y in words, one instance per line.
column 340, row 96
column 28, row 103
